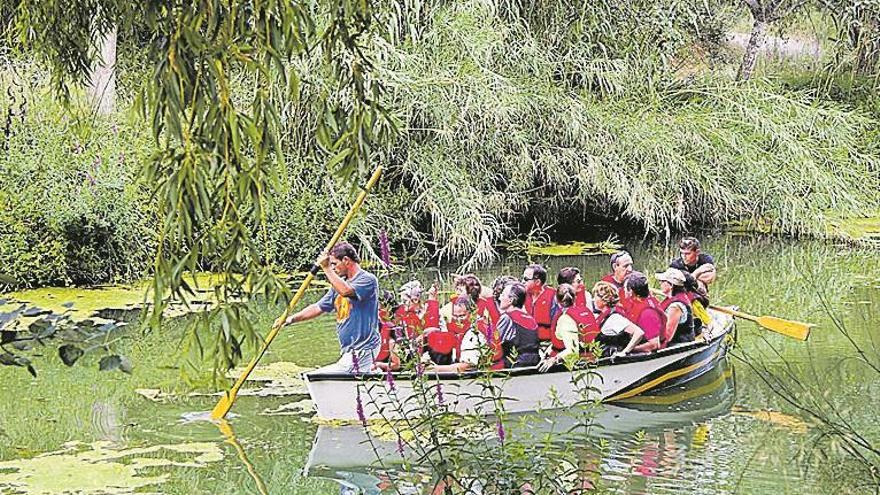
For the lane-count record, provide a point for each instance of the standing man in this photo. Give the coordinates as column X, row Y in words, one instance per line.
column 353, row 295
column 540, row 300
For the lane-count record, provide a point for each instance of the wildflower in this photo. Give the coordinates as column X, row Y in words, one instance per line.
column 440, row 400
column 390, row 379
column 420, row 370
column 354, row 362
column 384, row 251
column 501, row 434
column 400, row 445
column 359, row 409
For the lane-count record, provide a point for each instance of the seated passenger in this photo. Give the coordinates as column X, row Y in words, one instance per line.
column 469, row 286
column 540, row 299
column 572, row 276
column 677, row 305
column 621, row 267
column 618, row 335
column 645, row 311
column 414, row 315
column 573, row 328
column 471, row 350
column 517, row 329
column 387, row 357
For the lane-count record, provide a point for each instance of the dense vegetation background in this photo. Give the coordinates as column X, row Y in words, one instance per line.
column 511, row 116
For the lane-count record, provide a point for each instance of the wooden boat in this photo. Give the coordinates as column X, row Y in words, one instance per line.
column 337, row 395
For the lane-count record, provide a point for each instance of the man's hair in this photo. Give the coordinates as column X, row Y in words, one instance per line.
column 567, row 275
column 471, row 284
column 517, row 294
column 689, row 243
column 343, row 249
column 538, row 272
column 565, row 295
column 638, row 283
column 606, row 292
column 616, row 256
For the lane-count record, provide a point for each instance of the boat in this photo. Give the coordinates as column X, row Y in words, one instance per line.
column 349, row 454
column 352, row 397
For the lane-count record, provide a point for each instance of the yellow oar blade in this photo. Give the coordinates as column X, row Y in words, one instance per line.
column 793, row 329
column 223, row 406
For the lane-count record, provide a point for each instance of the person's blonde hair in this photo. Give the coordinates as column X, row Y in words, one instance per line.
column 607, row 293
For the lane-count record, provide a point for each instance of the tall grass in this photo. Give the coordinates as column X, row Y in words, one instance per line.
column 494, row 132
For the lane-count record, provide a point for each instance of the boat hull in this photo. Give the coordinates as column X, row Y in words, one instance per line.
column 342, row 396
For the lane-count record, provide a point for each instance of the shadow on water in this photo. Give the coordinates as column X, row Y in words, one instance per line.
column 632, row 427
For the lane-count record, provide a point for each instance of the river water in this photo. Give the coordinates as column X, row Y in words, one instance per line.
column 82, row 431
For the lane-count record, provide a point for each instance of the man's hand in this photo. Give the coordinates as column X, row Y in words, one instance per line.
column 323, row 261
column 546, row 364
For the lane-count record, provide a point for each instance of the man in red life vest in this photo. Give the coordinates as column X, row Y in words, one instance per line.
column 644, row 310
column 540, row 300
column 621, row 267
column 387, row 357
column 677, row 306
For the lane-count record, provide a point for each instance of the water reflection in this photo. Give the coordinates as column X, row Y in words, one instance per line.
column 650, row 437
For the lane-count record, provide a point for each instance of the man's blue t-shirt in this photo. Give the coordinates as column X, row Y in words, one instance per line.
column 357, row 316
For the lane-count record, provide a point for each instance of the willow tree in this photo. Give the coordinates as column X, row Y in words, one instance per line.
column 765, row 13
column 217, row 148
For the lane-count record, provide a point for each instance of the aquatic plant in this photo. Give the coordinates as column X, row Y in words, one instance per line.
column 27, row 328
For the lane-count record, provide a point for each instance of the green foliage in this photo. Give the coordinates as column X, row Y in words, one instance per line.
column 72, row 209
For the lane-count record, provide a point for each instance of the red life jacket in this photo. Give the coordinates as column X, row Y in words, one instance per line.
column 493, row 340
column 414, row 323
column 525, row 341
column 441, row 342
column 638, row 306
column 586, row 323
column 541, row 309
column 580, row 299
column 458, row 328
column 486, row 308
column 385, row 345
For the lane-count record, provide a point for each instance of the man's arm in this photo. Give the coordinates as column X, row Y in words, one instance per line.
column 705, row 273
column 307, row 313
column 341, row 286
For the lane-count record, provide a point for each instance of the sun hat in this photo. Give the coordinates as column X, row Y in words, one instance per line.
column 671, row 275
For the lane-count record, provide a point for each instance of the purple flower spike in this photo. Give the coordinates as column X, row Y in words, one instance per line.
column 400, row 445
column 384, row 250
column 354, row 363
column 420, row 370
column 359, row 408
column 390, row 379
column 501, row 434
column 440, row 400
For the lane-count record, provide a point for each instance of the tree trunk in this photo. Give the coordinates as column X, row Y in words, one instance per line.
column 102, row 82
column 750, row 58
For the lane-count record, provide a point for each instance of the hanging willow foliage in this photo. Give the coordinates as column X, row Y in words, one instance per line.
column 213, row 171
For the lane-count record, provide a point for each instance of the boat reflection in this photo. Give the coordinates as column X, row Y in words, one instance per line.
column 649, row 436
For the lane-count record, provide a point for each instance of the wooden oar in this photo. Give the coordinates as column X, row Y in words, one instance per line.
column 225, row 403
column 789, row 328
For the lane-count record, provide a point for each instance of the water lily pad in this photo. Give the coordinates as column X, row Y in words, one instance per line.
column 297, row 408
column 99, row 468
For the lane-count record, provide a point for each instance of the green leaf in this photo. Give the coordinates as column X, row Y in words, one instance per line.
column 109, row 363
column 70, row 353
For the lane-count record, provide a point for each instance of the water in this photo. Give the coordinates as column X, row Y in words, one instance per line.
column 84, row 431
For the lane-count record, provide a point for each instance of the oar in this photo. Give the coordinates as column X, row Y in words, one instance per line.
column 789, row 328
column 225, row 403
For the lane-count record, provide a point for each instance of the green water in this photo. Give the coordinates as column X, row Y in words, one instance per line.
column 86, row 431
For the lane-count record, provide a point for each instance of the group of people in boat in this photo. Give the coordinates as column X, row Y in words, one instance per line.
column 514, row 322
